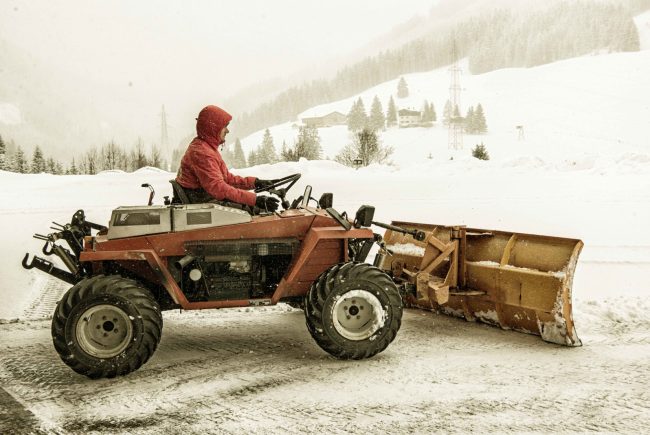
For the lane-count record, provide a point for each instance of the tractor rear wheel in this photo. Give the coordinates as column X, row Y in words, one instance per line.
column 106, row 326
column 353, row 310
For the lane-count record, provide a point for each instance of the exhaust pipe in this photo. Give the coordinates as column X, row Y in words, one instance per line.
column 184, row 262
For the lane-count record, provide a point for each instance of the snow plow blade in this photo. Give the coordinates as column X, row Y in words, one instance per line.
column 510, row 280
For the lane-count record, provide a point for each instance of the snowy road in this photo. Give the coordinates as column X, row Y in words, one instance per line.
column 234, row 371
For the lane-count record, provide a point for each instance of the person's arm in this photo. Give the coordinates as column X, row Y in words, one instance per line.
column 212, row 180
column 247, row 183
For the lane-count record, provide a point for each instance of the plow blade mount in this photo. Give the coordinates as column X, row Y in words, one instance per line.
column 511, row 280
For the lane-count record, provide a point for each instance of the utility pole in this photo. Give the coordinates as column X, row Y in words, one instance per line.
column 164, row 138
column 455, row 129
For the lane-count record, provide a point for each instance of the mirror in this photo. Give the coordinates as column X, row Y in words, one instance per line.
column 306, row 196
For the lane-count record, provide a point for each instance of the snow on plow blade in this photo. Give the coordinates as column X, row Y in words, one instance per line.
column 511, row 280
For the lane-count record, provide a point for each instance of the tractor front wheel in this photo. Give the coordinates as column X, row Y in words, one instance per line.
column 353, row 310
column 106, row 326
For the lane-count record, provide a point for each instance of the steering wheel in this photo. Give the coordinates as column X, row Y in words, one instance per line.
column 279, row 182
column 289, row 180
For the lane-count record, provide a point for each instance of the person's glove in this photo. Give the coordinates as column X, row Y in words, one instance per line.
column 268, row 203
column 263, row 184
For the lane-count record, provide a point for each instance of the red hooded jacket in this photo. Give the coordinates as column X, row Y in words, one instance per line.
column 203, row 167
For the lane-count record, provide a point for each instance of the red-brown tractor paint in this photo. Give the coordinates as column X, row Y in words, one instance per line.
column 323, row 242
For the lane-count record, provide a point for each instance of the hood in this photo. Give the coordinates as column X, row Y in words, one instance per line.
column 211, row 121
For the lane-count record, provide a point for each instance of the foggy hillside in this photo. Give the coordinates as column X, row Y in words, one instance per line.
column 93, row 73
column 491, row 38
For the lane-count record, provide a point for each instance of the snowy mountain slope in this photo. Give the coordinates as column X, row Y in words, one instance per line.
column 580, row 110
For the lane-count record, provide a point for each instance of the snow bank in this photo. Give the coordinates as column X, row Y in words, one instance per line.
column 609, row 213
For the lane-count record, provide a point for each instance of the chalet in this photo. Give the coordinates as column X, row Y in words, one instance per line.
column 409, row 118
column 333, row 118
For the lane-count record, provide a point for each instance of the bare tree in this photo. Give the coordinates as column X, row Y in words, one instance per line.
column 155, row 158
column 366, row 147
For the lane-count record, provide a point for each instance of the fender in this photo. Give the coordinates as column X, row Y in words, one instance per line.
column 310, row 262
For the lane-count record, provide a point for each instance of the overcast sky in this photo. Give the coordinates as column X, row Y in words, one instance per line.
column 181, row 43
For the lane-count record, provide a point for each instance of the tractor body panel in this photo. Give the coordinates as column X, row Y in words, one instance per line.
column 259, row 260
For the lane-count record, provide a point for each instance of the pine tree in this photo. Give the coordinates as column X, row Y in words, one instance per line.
column 402, row 88
column 38, row 161
column 227, row 155
column 239, row 159
column 446, row 114
column 377, row 120
column 284, row 151
column 73, row 168
column 252, row 158
column 432, row 111
column 428, row 113
column 470, row 122
column 365, row 146
column 391, row 115
column 357, row 118
column 11, row 148
column 479, row 120
column 307, row 145
column 456, row 118
column 58, row 168
column 50, row 166
column 267, row 153
column 3, row 156
column 20, row 162
column 480, row 152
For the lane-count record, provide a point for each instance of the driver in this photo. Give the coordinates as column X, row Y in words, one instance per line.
column 203, row 173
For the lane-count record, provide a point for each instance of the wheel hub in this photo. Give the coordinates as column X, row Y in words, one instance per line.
column 104, row 331
column 357, row 315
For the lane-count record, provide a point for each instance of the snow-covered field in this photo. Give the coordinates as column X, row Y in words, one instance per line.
column 590, row 112
column 583, row 171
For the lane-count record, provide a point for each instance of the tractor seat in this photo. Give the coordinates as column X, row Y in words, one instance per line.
column 180, row 197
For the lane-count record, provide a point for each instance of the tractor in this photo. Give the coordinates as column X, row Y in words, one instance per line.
column 153, row 258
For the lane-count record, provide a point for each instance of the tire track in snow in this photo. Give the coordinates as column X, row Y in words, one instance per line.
column 15, row 418
column 50, row 293
column 259, row 372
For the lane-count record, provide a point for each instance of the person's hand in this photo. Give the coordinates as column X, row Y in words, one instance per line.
column 263, row 184
column 267, row 203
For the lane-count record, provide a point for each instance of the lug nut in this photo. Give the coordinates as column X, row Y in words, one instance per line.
column 361, row 307
column 98, row 327
column 358, row 317
column 348, row 317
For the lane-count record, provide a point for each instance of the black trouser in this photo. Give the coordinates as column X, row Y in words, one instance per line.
column 200, row 196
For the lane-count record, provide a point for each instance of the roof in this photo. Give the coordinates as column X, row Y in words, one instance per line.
column 408, row 112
